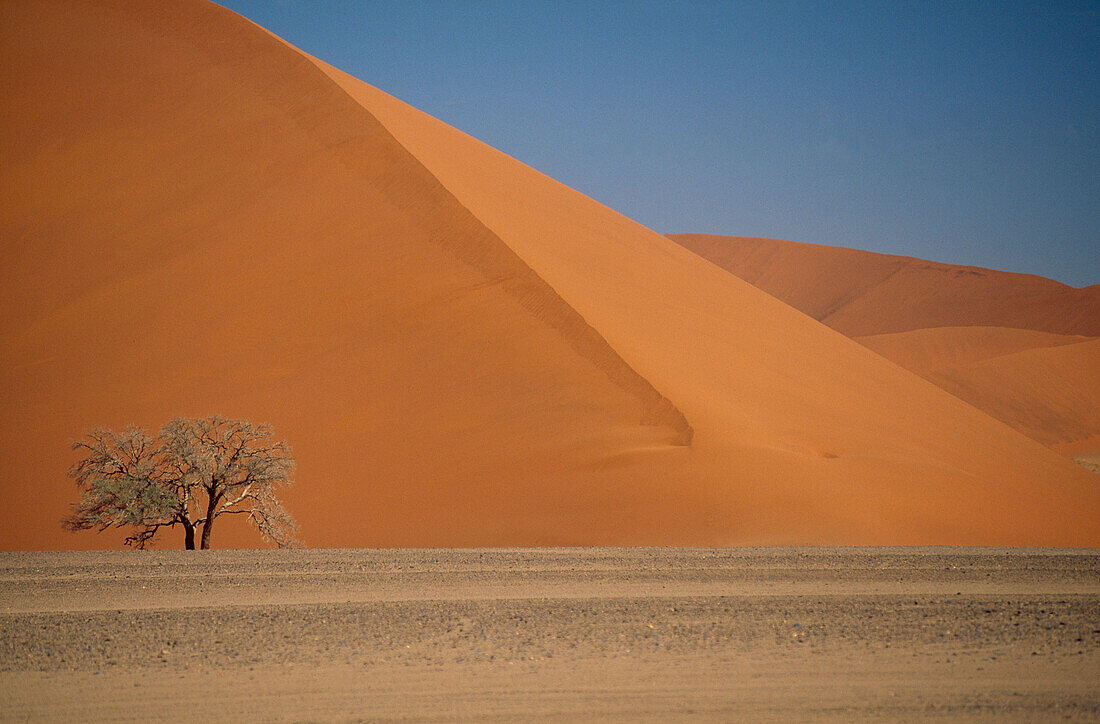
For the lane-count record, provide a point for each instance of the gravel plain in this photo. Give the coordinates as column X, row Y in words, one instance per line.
column 555, row 634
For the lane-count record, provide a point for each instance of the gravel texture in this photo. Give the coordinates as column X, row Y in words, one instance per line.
column 601, row 633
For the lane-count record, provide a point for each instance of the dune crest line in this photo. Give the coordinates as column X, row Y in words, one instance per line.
column 861, row 293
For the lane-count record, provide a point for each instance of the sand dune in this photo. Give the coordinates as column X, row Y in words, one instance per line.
column 1051, row 396
column 926, row 351
column 860, row 293
column 1088, row 447
column 1047, row 386
column 460, row 350
column 1085, row 452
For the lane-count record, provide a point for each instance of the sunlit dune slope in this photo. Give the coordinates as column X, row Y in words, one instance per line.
column 861, row 293
column 200, row 219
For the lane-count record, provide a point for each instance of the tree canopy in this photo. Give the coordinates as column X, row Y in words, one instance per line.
column 192, row 472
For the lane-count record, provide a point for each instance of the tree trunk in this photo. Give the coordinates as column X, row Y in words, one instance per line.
column 188, row 536
column 206, row 533
column 209, row 522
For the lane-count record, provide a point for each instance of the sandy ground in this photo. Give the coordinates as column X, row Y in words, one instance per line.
column 608, row 633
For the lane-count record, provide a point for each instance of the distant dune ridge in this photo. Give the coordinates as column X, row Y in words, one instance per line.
column 1016, row 346
column 927, row 351
column 199, row 219
column 860, row 293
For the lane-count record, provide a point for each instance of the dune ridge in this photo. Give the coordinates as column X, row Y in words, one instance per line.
column 862, row 293
column 461, row 351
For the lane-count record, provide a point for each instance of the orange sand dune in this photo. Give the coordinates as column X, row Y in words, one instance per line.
column 1047, row 386
column 1051, row 394
column 1085, row 452
column 925, row 351
column 199, row 218
column 860, row 293
column 854, row 290
column 1088, row 447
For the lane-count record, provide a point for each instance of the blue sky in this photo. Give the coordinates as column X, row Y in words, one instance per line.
column 964, row 132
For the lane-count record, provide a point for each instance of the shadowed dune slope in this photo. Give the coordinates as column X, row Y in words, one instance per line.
column 860, row 293
column 461, row 351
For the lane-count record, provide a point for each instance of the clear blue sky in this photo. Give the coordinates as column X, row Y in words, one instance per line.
column 964, row 132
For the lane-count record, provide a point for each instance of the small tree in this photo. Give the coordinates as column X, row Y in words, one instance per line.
column 194, row 471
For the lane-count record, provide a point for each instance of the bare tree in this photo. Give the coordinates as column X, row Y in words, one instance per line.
column 194, row 471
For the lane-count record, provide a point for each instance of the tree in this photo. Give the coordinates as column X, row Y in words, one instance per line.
column 194, row 471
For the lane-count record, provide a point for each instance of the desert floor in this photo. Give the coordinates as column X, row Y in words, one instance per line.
column 608, row 633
